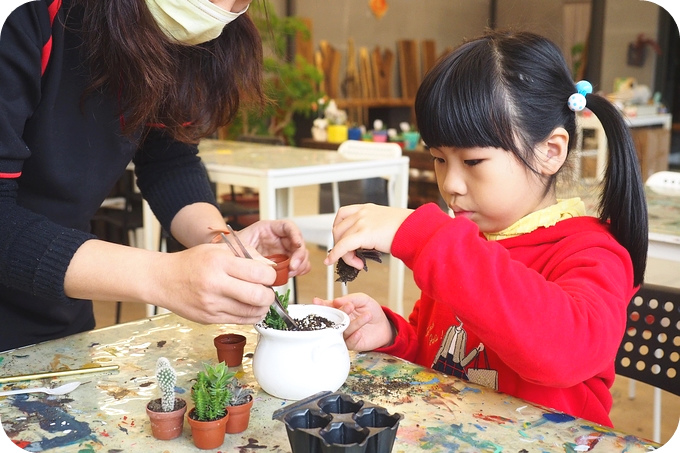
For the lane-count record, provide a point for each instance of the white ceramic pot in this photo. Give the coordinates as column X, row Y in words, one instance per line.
column 296, row 364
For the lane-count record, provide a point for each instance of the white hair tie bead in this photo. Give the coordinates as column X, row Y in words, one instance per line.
column 577, row 101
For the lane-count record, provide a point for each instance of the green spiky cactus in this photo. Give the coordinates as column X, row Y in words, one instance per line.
column 166, row 377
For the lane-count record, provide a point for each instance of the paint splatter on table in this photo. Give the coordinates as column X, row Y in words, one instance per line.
column 107, row 412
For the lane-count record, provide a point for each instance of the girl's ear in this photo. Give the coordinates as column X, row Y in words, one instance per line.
column 553, row 151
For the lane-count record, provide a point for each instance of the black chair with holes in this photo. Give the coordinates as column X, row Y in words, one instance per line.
column 650, row 350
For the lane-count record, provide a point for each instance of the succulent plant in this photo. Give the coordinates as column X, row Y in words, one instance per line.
column 166, row 377
column 273, row 319
column 211, row 392
column 239, row 394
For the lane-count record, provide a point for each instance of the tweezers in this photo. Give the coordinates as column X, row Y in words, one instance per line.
column 290, row 322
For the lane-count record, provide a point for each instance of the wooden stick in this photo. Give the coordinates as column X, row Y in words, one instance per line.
column 48, row 374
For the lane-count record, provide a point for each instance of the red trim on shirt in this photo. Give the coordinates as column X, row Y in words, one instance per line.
column 163, row 126
column 47, row 50
column 53, row 9
column 10, row 175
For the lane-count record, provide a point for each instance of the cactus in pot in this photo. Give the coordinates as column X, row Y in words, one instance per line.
column 167, row 412
column 167, row 378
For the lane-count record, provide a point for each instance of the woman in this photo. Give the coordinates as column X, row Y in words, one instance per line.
column 88, row 86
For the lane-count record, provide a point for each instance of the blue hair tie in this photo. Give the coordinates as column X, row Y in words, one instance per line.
column 577, row 101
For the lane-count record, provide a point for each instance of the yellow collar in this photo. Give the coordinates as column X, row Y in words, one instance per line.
column 546, row 217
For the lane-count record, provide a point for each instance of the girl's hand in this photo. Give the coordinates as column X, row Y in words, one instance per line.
column 369, row 328
column 366, row 226
column 270, row 237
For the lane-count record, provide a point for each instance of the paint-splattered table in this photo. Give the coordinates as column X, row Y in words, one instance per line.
column 107, row 412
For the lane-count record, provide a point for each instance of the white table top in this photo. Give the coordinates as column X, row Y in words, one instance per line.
column 247, row 164
column 272, row 170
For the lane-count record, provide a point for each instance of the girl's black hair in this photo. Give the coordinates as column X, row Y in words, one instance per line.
column 509, row 90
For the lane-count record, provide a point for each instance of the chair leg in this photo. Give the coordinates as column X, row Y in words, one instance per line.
column 657, row 415
column 294, row 291
column 631, row 389
column 329, row 282
column 119, row 306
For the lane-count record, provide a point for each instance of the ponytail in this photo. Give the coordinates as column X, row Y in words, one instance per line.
column 622, row 200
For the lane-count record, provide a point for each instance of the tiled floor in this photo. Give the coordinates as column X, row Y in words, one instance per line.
column 631, row 416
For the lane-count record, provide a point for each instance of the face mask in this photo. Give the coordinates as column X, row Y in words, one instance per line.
column 190, row 21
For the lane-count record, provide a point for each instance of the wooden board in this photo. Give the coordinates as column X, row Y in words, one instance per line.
column 429, row 55
column 408, row 68
column 330, row 64
column 303, row 44
column 382, row 64
column 365, row 74
column 351, row 84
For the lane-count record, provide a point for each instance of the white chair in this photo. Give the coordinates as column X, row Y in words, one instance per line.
column 665, row 183
column 317, row 229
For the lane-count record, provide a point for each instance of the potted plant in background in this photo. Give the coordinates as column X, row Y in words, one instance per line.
column 167, row 412
column 239, row 405
column 210, row 394
column 291, row 83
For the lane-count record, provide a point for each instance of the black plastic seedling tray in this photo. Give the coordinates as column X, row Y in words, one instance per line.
column 335, row 423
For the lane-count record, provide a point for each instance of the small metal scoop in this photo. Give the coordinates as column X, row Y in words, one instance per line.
column 290, row 322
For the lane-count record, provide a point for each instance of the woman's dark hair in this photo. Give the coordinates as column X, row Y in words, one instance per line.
column 509, row 90
column 190, row 90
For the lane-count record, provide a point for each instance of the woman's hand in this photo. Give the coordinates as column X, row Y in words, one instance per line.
column 208, row 284
column 270, row 237
column 369, row 328
column 205, row 283
column 366, row 226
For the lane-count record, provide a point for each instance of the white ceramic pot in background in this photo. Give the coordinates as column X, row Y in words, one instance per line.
column 296, row 364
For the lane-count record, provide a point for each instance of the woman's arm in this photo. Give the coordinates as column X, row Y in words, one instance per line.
column 206, row 283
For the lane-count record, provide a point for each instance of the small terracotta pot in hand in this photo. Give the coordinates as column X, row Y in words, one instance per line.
column 281, row 267
column 230, row 348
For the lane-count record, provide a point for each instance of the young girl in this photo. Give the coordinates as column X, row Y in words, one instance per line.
column 520, row 291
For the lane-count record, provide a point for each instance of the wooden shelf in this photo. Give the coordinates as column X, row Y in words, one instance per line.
column 373, row 102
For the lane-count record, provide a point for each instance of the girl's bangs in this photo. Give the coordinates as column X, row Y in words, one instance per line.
column 462, row 103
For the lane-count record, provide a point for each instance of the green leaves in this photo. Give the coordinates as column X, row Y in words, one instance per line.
column 211, row 393
column 273, row 319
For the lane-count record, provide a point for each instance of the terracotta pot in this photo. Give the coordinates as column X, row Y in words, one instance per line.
column 281, row 268
column 167, row 425
column 207, row 435
column 217, row 239
column 230, row 348
column 239, row 417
